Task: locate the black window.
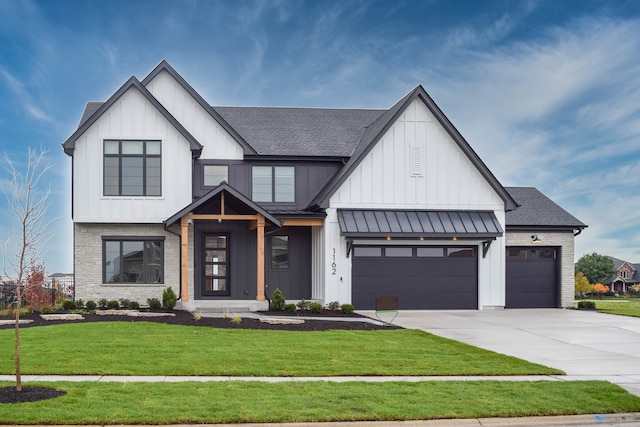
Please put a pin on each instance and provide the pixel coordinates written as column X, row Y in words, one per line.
column 133, row 260
column 367, row 251
column 273, row 184
column 132, row 168
column 215, row 174
column 279, row 252
column 216, row 263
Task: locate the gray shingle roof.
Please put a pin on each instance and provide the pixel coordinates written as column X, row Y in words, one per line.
column 90, row 108
column 314, row 132
column 537, row 210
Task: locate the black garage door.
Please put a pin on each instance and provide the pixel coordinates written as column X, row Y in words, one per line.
column 532, row 278
column 423, row 277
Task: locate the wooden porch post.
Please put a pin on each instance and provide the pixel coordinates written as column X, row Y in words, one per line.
column 184, row 265
column 260, row 256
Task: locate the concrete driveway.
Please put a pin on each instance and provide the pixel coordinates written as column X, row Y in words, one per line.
column 584, row 344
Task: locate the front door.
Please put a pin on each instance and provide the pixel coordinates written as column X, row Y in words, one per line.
column 216, row 280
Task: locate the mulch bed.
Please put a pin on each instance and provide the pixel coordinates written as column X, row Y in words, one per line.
column 28, row 394
column 186, row 318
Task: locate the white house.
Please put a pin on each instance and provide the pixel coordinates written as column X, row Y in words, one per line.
column 225, row 204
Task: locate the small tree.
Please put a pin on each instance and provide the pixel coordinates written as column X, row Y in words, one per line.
column 582, row 285
column 600, row 289
column 24, row 249
column 596, row 268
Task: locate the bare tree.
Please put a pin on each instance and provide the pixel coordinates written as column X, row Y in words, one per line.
column 25, row 247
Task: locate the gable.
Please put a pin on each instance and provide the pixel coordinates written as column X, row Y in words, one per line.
column 220, row 140
column 416, row 162
column 380, row 127
column 131, row 116
column 69, row 144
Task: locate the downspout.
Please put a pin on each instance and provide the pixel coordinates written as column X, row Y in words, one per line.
column 179, row 257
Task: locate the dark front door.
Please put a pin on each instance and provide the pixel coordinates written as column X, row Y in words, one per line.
column 288, row 262
column 216, row 280
column 532, row 278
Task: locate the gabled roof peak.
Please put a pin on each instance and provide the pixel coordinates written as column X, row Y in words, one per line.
column 132, row 83
column 165, row 66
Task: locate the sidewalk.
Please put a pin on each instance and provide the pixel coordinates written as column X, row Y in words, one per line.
column 619, row 380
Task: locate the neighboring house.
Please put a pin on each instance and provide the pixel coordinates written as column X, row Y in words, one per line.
column 626, row 276
column 226, row 204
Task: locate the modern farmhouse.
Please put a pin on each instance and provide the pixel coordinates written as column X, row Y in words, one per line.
column 226, row 204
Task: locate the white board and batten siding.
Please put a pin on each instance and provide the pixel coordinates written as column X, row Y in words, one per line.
column 130, row 117
column 217, row 142
column 415, row 165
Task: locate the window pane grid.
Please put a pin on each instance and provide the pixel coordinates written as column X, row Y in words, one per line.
column 133, row 261
column 132, row 168
column 273, row 184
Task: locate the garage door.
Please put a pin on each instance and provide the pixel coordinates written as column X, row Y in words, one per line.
column 532, row 278
column 423, row 277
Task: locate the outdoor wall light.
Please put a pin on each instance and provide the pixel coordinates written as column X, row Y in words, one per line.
column 535, row 239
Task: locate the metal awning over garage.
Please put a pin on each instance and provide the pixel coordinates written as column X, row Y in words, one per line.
column 481, row 225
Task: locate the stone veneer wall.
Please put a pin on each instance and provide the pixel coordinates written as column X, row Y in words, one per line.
column 564, row 240
column 88, row 262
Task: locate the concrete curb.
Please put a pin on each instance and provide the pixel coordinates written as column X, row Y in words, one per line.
column 628, row 419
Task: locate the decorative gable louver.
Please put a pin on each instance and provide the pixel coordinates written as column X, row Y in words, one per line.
column 415, row 153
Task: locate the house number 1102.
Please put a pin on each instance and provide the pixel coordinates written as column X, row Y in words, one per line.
column 333, row 264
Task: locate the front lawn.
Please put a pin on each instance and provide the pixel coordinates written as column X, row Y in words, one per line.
column 622, row 307
column 255, row 402
column 148, row 348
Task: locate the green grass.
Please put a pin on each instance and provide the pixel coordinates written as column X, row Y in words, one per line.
column 147, row 348
column 619, row 306
column 239, row 402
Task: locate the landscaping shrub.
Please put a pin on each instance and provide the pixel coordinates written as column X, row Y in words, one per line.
column 91, row 305
column 333, row 306
column 102, row 303
column 315, row 307
column 124, row 302
column 46, row 309
column 80, row 304
column 587, row 305
column 346, row 308
column 68, row 305
column 290, row 308
column 303, row 304
column 113, row 305
column 169, row 299
column 133, row 305
column 277, row 301
column 154, row 303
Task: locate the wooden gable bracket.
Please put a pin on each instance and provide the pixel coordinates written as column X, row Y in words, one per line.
column 485, row 247
column 349, row 246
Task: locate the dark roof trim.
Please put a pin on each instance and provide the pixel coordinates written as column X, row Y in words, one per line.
column 70, row 144
column 271, row 158
column 164, row 66
column 419, row 224
column 541, row 228
column 378, row 128
column 214, row 192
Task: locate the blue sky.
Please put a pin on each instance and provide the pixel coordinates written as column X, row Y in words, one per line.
column 546, row 92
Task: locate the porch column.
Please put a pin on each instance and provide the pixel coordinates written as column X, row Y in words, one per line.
column 260, row 256
column 184, row 255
